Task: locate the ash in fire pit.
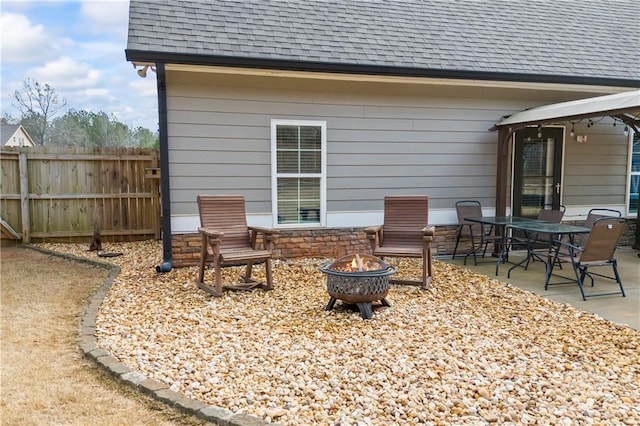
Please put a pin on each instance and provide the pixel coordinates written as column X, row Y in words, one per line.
column 358, row 279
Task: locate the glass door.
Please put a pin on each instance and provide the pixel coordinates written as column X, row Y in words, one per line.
column 537, row 168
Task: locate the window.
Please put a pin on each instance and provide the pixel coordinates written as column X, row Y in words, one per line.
column 634, row 179
column 298, row 178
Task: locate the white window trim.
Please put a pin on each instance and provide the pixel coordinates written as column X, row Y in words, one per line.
column 323, row 173
column 629, row 174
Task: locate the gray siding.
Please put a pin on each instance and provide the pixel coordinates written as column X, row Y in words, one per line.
column 596, row 171
column 382, row 139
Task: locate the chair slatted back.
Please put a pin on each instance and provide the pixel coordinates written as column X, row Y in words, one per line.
column 225, row 213
column 602, row 241
column 404, row 218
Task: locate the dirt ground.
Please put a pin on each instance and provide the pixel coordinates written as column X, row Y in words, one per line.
column 44, row 377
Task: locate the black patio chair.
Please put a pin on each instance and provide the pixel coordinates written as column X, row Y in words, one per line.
column 477, row 234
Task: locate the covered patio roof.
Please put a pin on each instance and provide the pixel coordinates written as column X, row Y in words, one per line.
column 624, row 107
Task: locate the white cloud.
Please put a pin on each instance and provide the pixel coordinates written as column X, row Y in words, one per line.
column 66, row 73
column 24, row 42
column 78, row 49
column 106, row 16
column 145, row 87
column 97, row 93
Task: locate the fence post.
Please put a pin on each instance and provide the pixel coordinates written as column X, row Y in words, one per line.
column 24, row 197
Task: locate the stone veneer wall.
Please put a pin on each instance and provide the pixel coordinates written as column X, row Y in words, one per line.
column 330, row 243
column 327, row 242
column 333, row 243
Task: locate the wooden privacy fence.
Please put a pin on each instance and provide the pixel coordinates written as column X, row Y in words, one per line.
column 65, row 194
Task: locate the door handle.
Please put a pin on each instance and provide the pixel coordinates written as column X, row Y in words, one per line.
column 557, row 185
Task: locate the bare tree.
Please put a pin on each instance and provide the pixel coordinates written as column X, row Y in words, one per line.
column 38, row 104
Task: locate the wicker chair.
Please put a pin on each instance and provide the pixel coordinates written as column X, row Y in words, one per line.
column 405, row 233
column 228, row 241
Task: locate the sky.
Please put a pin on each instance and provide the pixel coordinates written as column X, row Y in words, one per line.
column 77, row 47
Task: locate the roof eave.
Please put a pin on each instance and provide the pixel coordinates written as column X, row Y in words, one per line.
column 332, row 67
column 624, row 106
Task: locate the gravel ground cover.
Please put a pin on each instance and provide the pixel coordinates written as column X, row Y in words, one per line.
column 470, row 350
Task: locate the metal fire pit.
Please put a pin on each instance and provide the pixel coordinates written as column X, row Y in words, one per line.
column 358, row 279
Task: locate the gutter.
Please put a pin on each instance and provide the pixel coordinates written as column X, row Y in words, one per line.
column 371, row 69
column 166, row 264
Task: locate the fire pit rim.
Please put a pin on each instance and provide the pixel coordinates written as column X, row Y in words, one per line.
column 387, row 270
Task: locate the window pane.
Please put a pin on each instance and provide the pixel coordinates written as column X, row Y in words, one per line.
column 633, row 194
column 288, row 212
column 310, row 137
column 287, row 161
column 288, row 189
column 310, row 162
column 310, row 188
column 298, row 200
column 310, row 200
column 287, row 137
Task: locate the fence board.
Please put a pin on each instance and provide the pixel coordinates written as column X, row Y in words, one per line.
column 66, row 192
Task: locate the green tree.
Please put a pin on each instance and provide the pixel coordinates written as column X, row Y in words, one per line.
column 70, row 130
column 108, row 131
column 144, row 138
column 90, row 129
column 38, row 104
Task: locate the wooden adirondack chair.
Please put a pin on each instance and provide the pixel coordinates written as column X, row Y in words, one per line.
column 405, row 233
column 227, row 240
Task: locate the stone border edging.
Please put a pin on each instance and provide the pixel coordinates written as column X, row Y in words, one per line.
column 88, row 342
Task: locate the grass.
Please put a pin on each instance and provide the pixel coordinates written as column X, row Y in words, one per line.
column 44, row 376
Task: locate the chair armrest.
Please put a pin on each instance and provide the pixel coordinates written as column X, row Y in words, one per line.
column 374, row 235
column 268, row 236
column 210, row 232
column 266, row 231
column 568, row 244
column 428, row 230
column 427, row 234
column 572, row 249
column 372, row 230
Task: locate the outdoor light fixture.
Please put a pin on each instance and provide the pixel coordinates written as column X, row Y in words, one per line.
column 539, row 131
column 626, row 130
column 142, row 72
column 573, row 131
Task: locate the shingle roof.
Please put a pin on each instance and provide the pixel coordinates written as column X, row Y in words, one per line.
column 6, row 131
column 593, row 39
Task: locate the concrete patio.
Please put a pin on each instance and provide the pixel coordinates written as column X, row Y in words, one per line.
column 621, row 310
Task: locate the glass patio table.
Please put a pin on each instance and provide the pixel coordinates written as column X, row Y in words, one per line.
column 501, row 224
column 555, row 231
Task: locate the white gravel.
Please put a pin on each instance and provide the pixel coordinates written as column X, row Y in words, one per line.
column 470, row 350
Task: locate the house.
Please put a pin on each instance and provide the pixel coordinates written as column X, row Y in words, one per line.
column 14, row 135
column 314, row 110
